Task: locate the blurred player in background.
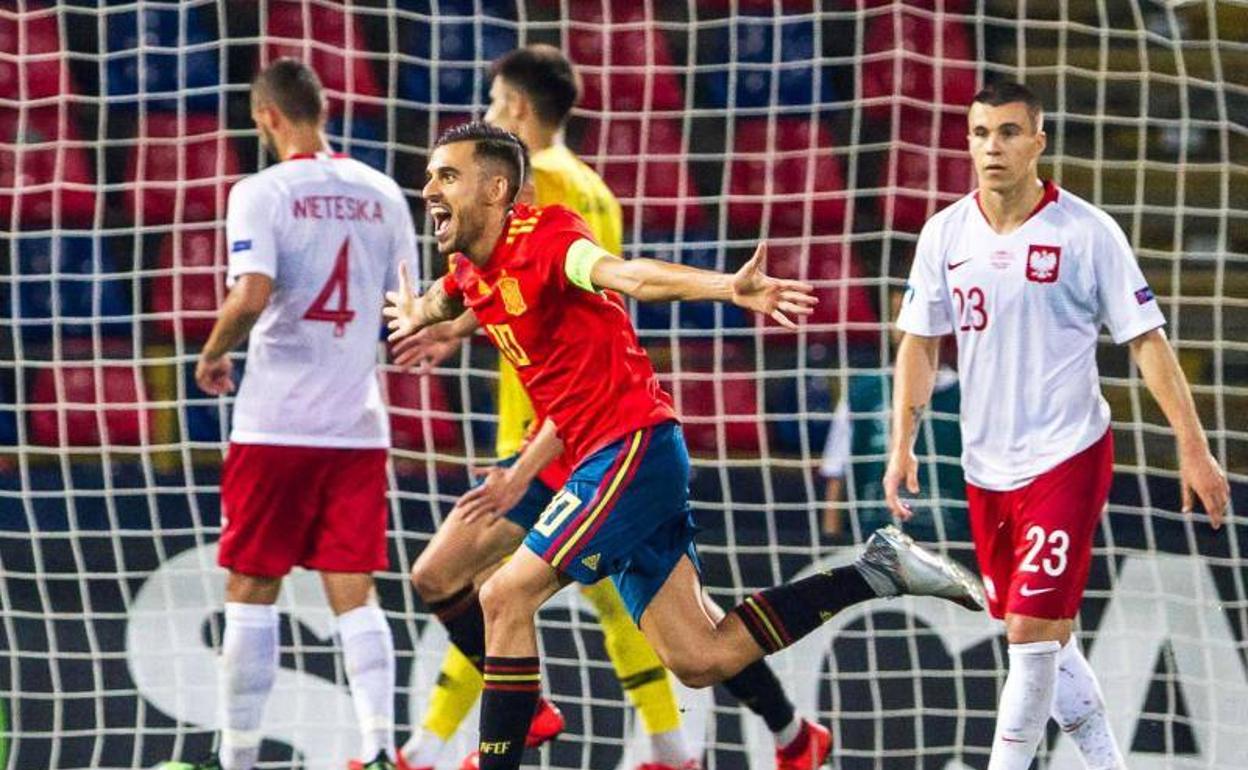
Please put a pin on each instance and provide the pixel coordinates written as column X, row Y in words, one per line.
column 313, row 241
column 856, row 451
column 532, row 94
column 546, row 295
column 1024, row 275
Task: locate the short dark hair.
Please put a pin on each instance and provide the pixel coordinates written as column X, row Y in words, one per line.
column 1009, row 91
column 493, row 145
column 545, row 76
column 292, row 87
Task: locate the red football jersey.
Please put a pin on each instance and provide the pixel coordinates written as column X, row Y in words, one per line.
column 575, row 351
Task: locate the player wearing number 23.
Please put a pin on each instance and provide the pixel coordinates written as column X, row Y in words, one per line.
column 1024, row 275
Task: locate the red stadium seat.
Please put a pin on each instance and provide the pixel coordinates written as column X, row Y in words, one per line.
column 923, row 176
column 914, row 37
column 100, row 405
column 698, row 397
column 41, row 71
column 623, row 59
column 42, row 165
column 947, row 6
column 619, row 147
column 773, row 176
column 756, row 7
column 180, row 172
column 844, row 302
column 410, row 408
column 190, row 286
column 333, row 43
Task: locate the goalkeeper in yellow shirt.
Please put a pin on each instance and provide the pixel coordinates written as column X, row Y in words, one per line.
column 532, row 94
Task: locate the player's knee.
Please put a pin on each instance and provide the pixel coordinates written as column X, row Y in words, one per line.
column 432, row 584
column 502, row 602
column 251, row 589
column 697, row 674
column 696, row 669
column 1023, row 629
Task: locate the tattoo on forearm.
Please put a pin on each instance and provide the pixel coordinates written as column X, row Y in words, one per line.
column 916, row 415
column 439, row 306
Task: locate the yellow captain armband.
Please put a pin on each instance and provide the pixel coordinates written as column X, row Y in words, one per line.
column 580, row 261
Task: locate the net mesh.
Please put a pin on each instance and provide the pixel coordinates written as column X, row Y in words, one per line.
column 831, row 129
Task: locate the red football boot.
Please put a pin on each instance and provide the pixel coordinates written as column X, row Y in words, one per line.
column 546, row 724
column 809, row 750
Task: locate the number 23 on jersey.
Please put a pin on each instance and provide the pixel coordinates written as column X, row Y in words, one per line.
column 972, row 309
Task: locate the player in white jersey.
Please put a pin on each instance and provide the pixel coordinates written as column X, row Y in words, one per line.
column 1024, row 275
column 314, row 242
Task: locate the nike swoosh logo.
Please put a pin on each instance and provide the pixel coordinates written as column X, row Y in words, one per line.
column 956, row 265
column 1026, row 591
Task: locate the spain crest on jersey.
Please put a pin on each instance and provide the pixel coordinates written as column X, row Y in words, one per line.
column 1043, row 263
column 513, row 300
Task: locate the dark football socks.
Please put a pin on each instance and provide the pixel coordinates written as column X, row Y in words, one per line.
column 757, row 688
column 778, row 617
column 465, row 623
column 512, row 686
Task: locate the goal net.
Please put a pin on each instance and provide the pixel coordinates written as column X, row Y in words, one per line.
column 830, row 128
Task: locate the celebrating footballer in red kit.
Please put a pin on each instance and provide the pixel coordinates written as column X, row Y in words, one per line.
column 543, row 291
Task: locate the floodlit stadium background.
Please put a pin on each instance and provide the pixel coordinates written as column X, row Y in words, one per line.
column 832, row 129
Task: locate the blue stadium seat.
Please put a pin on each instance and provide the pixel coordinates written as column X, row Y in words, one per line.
column 8, row 414
column 366, row 142
column 81, row 291
column 456, row 26
column 697, row 250
column 755, row 65
column 178, row 60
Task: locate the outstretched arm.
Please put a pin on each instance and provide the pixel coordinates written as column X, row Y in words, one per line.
column 1198, row 470
column 913, row 379
column 652, row 280
column 409, row 312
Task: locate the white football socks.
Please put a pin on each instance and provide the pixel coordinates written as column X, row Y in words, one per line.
column 785, row 736
column 1079, row 709
column 248, row 669
column 423, row 749
column 669, row 748
column 368, row 650
column 1023, row 709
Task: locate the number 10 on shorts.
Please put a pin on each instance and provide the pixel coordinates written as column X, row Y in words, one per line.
column 560, row 507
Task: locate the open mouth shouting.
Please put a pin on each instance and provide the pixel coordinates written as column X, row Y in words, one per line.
column 440, row 213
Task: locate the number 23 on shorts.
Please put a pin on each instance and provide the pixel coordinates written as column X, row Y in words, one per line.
column 1056, row 561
